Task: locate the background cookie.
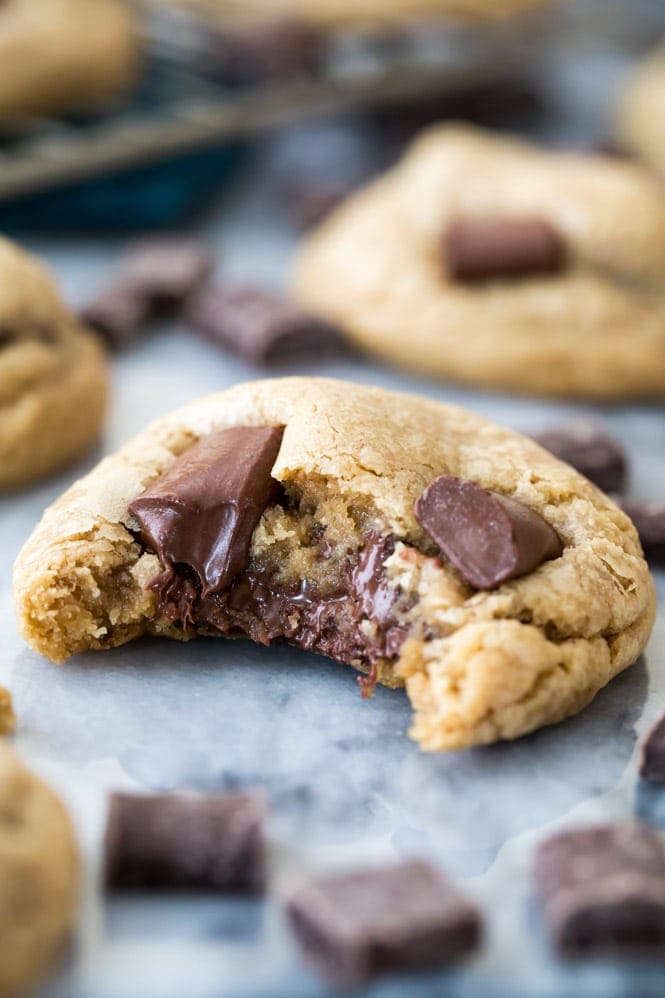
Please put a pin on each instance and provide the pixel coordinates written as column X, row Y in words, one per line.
column 53, row 375
column 478, row 665
column 39, row 874
column 589, row 320
column 64, row 55
column 641, row 112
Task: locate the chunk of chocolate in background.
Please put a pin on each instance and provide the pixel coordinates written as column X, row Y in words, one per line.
column 652, row 764
column 118, row 314
column 186, row 842
column 404, row 917
column 263, row 327
column 649, row 521
column 203, row 510
column 270, row 49
column 480, row 249
column 602, row 890
column 590, row 450
column 156, row 276
column 310, row 199
column 488, row 537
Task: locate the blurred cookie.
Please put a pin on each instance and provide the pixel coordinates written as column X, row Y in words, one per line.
column 640, row 117
column 53, row 375
column 39, row 875
column 498, row 263
column 64, row 55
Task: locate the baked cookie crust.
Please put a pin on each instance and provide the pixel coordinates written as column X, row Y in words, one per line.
column 594, row 329
column 64, row 55
column 39, row 876
column 478, row 666
column 53, row 375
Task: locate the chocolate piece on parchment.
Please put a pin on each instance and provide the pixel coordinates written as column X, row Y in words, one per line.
column 404, row 917
column 203, row 510
column 489, row 538
column 602, row 890
column 481, row 249
column 263, row 327
column 649, row 521
column 186, row 842
column 652, row 763
column 590, row 450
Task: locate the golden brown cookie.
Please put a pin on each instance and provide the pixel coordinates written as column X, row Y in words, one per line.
column 495, row 262
column 64, row 55
column 53, row 375
column 304, row 510
column 641, row 112
column 7, row 716
column 39, row 876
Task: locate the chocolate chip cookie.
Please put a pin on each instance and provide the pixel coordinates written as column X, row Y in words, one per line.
column 39, row 876
column 53, row 375
column 641, row 111
column 410, row 539
column 64, row 55
column 494, row 262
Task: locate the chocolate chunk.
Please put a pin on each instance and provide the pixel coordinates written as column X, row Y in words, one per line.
column 397, row 918
column 167, row 271
column 479, row 249
column 489, row 538
column 156, row 277
column 118, row 314
column 652, row 766
column 591, row 451
column 173, row 841
column 602, row 890
column 272, row 49
column 649, row 521
column 202, row 512
column 263, row 327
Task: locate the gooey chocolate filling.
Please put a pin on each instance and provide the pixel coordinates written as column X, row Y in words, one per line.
column 199, row 518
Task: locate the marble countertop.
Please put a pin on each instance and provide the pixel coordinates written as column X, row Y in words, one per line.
column 346, row 784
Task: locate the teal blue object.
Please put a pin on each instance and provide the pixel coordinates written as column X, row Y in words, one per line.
column 160, row 195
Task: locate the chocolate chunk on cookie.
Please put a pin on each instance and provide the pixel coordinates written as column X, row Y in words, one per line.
column 203, row 511
column 187, row 842
column 649, row 520
column 405, row 917
column 652, row 764
column 488, row 537
column 482, row 249
column 602, row 891
column 263, row 327
column 336, row 561
column 591, row 451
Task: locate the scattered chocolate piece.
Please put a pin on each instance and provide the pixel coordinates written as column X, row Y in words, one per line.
column 202, row 512
column 479, row 249
column 590, row 450
column 602, row 890
column 263, row 51
column 649, row 521
column 118, row 314
column 489, row 538
column 175, row 841
column 397, row 918
column 157, row 276
column 652, row 766
column 263, row 327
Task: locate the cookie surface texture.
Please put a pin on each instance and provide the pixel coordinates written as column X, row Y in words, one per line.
column 339, row 563
column 53, row 375
column 39, row 876
column 591, row 325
